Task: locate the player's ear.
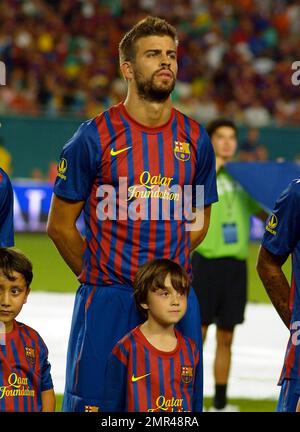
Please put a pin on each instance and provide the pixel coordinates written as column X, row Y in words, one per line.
column 26, row 295
column 144, row 306
column 126, row 69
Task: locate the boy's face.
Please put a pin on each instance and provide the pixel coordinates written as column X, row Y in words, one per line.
column 166, row 306
column 13, row 295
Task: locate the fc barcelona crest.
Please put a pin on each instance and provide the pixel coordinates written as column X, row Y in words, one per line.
column 30, row 355
column 182, row 151
column 187, row 373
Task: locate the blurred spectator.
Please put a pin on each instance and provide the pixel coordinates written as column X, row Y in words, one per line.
column 251, row 149
column 235, row 57
column 5, row 158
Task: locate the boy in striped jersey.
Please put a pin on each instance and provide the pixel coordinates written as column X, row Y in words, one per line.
column 25, row 380
column 154, row 367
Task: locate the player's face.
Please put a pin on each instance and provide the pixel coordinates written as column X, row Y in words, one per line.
column 155, row 67
column 166, row 306
column 224, row 142
column 13, row 295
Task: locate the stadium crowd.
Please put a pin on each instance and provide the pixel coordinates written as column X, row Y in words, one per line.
column 235, row 58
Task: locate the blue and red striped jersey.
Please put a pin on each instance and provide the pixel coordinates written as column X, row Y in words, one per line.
column 131, row 178
column 282, row 237
column 141, row 378
column 6, row 211
column 24, row 370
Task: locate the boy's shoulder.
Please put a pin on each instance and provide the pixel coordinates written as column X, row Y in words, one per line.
column 187, row 341
column 125, row 345
column 29, row 332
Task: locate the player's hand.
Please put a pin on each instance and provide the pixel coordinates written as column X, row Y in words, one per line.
column 298, row 406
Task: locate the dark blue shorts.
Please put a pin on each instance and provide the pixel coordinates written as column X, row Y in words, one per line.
column 289, row 395
column 101, row 317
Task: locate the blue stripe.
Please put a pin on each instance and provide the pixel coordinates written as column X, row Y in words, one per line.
column 25, row 399
column 99, row 224
column 30, row 373
column 189, row 387
column 174, row 244
column 127, row 247
column 123, row 350
column 17, row 370
column 114, row 176
column 134, row 366
column 144, row 231
column 182, row 385
column 160, row 228
column 172, row 377
column 147, row 364
column 161, row 376
column 187, row 167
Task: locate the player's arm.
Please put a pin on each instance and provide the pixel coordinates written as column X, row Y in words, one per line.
column 199, row 226
column 269, row 268
column 62, row 230
column 298, row 406
column 48, row 401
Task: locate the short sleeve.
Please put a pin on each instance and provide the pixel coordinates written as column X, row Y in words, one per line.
column 79, row 163
column 45, row 368
column 114, row 395
column 283, row 228
column 6, row 211
column 205, row 172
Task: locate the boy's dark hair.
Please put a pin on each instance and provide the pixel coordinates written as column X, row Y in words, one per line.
column 151, row 277
column 216, row 124
column 14, row 260
column 150, row 26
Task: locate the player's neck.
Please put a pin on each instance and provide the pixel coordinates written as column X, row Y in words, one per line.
column 150, row 114
column 162, row 338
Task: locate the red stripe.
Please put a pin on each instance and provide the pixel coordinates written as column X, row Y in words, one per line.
column 122, row 171
column 106, row 178
column 119, row 354
column 153, row 152
column 140, row 371
column 130, row 398
column 89, row 299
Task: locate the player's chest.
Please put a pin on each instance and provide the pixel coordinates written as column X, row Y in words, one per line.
column 19, row 366
column 148, row 160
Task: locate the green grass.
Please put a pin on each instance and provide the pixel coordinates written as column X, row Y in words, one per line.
column 245, row 405
column 52, row 274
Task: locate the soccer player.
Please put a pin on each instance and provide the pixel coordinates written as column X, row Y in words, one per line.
column 25, row 380
column 154, row 367
column 282, row 238
column 6, row 211
column 124, row 168
column 219, row 262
